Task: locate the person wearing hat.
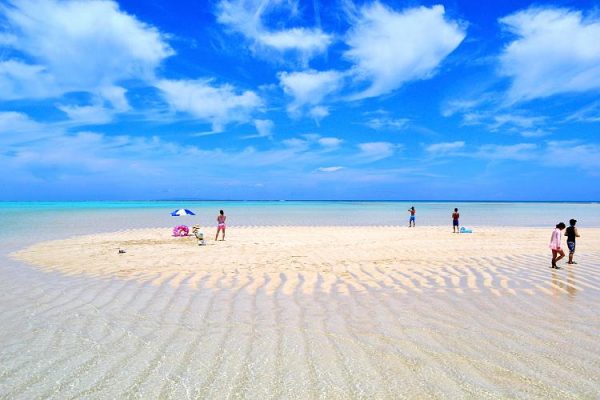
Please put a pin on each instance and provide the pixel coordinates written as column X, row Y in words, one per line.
column 571, row 233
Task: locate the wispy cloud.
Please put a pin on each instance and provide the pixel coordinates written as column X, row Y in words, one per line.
column 248, row 18
column 329, row 169
column 385, row 122
column 519, row 151
column 60, row 47
column 217, row 105
column 444, row 147
column 589, row 113
column 556, row 50
column 583, row 155
column 508, row 121
column 309, row 88
column 385, row 60
column 264, row 129
column 330, row 142
column 374, row 151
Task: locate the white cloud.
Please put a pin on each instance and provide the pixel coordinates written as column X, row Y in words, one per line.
column 330, row 142
column 584, row 155
column 519, row 151
column 7, row 39
column 116, row 97
column 296, row 143
column 94, row 114
column 373, row 151
column 309, row 88
column 19, row 129
column 444, row 147
column 246, row 17
column 556, row 51
column 19, row 80
column 311, row 140
column 318, row 112
column 534, row 133
column 76, row 46
column 390, row 48
column 109, row 101
column 589, row 113
column 452, row 107
column 218, row 105
column 329, row 169
column 307, row 41
column 519, row 121
column 264, row 129
column 387, row 123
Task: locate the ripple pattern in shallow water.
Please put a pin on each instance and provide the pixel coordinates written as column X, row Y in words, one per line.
column 489, row 327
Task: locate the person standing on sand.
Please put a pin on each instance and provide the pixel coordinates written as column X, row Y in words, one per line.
column 221, row 224
column 571, row 233
column 555, row 245
column 455, row 217
column 411, row 220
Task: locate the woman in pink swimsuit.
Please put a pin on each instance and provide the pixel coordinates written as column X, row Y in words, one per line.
column 555, row 246
column 221, row 224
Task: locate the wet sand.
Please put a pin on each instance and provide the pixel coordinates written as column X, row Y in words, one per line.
column 310, row 312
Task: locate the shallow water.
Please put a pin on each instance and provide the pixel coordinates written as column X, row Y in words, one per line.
column 285, row 335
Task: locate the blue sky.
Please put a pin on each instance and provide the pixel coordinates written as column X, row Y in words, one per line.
column 285, row 99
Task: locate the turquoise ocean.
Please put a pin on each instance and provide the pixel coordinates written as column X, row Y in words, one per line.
column 27, row 222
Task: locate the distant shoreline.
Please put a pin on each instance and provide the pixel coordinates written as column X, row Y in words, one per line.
column 311, row 201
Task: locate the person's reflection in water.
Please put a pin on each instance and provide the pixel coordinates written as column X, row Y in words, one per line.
column 559, row 286
column 571, row 288
column 556, row 285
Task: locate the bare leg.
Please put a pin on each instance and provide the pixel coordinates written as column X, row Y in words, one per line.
column 555, row 259
column 562, row 255
column 570, row 258
column 223, row 234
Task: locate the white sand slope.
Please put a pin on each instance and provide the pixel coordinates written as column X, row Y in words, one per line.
column 315, row 312
column 500, row 260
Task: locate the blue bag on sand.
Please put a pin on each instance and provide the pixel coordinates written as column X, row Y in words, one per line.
column 465, row 230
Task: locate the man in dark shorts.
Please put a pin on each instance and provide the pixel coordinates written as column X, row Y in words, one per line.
column 455, row 217
column 571, row 233
column 412, row 218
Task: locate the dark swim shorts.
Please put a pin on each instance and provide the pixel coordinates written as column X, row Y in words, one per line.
column 571, row 246
column 454, row 222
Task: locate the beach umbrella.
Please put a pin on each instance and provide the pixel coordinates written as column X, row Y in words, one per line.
column 181, row 211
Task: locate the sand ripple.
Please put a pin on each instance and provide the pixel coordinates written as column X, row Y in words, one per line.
column 305, row 313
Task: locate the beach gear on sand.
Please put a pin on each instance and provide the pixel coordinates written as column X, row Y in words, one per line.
column 199, row 235
column 181, row 211
column 181, row 230
column 466, row 230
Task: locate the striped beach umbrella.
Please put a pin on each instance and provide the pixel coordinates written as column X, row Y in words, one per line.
column 181, row 211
